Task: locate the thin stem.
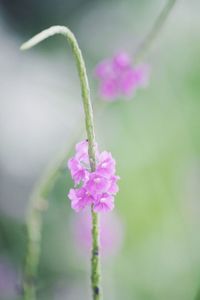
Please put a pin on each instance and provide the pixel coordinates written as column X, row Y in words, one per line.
column 157, row 26
column 95, row 261
column 89, row 124
column 34, row 224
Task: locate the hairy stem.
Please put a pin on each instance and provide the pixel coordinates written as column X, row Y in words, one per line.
column 95, row 262
column 89, row 124
column 157, row 26
column 34, row 224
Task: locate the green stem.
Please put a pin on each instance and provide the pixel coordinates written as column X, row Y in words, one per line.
column 157, row 26
column 89, row 124
column 34, row 224
column 95, row 262
column 38, row 204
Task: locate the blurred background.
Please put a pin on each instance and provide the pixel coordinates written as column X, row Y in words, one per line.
column 152, row 244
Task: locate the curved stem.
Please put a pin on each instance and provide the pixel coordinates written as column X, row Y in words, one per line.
column 89, row 124
column 157, row 26
column 82, row 76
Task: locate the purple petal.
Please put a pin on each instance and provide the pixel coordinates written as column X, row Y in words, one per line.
column 97, row 184
column 121, row 61
column 109, row 89
column 105, row 203
column 106, row 165
column 128, row 82
column 113, row 188
column 104, row 69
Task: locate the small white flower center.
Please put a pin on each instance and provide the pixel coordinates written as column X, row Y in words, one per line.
column 104, row 165
column 103, row 199
column 97, row 180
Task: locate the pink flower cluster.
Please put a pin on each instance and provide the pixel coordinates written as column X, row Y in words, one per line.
column 119, row 78
column 92, row 188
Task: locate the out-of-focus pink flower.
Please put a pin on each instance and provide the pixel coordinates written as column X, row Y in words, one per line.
column 8, row 280
column 111, row 233
column 119, row 78
column 97, row 188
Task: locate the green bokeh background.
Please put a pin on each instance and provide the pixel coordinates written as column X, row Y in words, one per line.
column 155, row 138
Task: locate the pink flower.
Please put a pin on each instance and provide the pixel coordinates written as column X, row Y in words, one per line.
column 97, row 188
column 109, row 89
column 119, row 78
column 121, row 62
column 113, row 188
column 82, row 151
column 80, row 198
column 97, row 184
column 106, row 166
column 104, row 202
column 78, row 173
